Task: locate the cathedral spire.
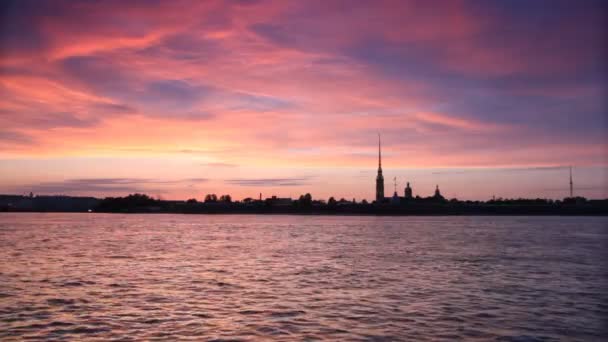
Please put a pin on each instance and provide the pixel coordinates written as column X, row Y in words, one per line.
column 379, row 154
column 379, row 177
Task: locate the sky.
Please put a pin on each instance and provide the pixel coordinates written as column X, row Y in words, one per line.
column 178, row 99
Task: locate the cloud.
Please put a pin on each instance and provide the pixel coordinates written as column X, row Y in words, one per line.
column 599, row 188
column 100, row 74
column 455, row 122
column 13, row 137
column 274, row 33
column 296, row 181
column 100, row 186
column 194, row 180
column 46, row 120
column 172, row 94
column 162, row 150
column 503, row 170
column 113, row 108
column 82, row 186
column 65, row 119
column 122, row 181
column 219, row 165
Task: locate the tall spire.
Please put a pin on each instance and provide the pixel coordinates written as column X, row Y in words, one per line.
column 379, row 177
column 571, row 185
column 379, row 154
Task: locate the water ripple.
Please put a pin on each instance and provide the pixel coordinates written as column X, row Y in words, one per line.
column 242, row 278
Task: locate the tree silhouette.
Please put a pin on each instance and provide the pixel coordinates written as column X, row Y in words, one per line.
column 305, row 200
column 226, row 199
column 129, row 202
column 210, row 198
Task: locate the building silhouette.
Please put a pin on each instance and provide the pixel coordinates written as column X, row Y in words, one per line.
column 408, row 192
column 279, row 202
column 395, row 199
column 379, row 177
column 437, row 194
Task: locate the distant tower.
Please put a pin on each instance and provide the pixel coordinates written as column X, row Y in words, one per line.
column 395, row 199
column 379, row 177
column 571, row 185
column 437, row 192
column 408, row 191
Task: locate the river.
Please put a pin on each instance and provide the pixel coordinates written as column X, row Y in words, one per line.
column 239, row 277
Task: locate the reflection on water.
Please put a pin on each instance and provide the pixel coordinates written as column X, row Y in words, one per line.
column 93, row 276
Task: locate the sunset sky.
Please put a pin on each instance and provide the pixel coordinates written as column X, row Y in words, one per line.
column 182, row 98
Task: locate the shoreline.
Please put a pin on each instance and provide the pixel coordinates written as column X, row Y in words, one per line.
column 345, row 214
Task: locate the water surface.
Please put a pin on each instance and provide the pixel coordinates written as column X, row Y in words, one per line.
column 238, row 277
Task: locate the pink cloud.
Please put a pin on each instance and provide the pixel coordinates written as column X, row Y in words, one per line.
column 309, row 84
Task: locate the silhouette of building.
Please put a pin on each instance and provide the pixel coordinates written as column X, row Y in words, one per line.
column 395, row 199
column 48, row 203
column 279, row 202
column 379, row 177
column 437, row 194
column 408, row 192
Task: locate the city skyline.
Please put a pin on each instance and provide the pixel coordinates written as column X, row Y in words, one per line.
column 186, row 98
column 380, row 195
